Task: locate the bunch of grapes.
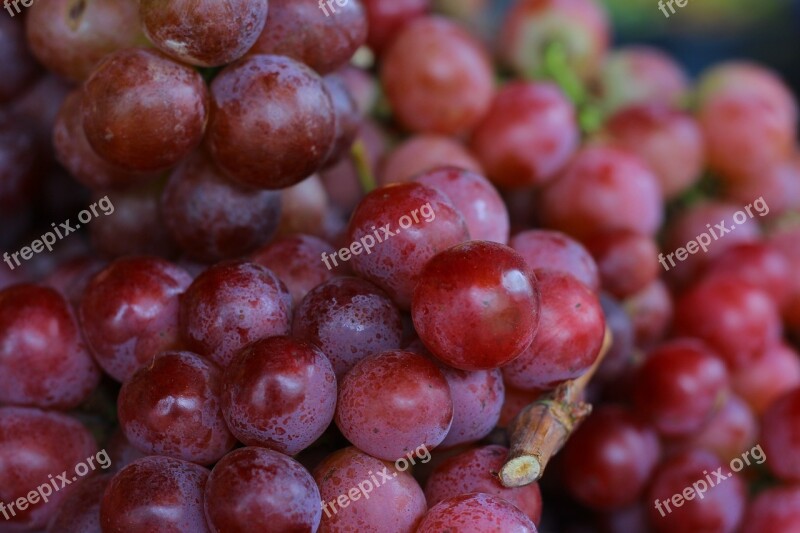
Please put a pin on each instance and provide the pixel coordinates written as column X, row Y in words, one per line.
column 379, row 266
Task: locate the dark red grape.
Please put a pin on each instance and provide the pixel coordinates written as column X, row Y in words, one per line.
column 609, row 460
column 679, row 386
column 129, row 312
column 173, row 407
column 347, row 114
column 80, row 513
column 244, row 132
column 778, row 184
column 395, row 256
column 254, row 489
column 476, row 306
column 388, row 17
column 424, row 153
column 604, row 189
column 780, row 436
column 515, row 400
column 19, row 67
column 730, row 430
column 627, row 261
column 775, row 509
column 43, row 359
column 35, row 447
column 70, row 38
column 651, row 311
column 359, row 494
column 393, row 402
column 212, row 218
column 349, row 319
column 787, row 241
column 551, row 250
column 156, row 494
column 71, row 277
column 279, row 393
column 475, row 512
column 18, row 154
column 142, row 111
column 477, row 400
column 474, row 196
column 425, row 72
column 569, row 337
column 619, row 357
column 207, row 33
column 230, row 305
column 775, row 372
column 527, row 136
column 473, row 471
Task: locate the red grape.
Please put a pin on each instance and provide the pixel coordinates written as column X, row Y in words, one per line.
column 230, row 305
column 424, row 153
column 477, row 400
column 473, row 471
column 781, row 437
column 528, row 135
column 425, row 71
column 387, row 17
column 348, row 319
column 476, row 306
column 142, row 111
column 279, row 393
column 730, row 430
column 172, row 407
column 551, row 250
column 248, row 97
column 19, row 67
column 473, row 513
column 774, row 509
column 651, row 311
column 213, row 219
column 80, row 513
column 775, row 372
column 569, row 337
column 254, row 489
column 627, row 261
column 207, row 33
column 129, row 312
column 156, row 494
column 347, row 115
column 393, row 402
column 43, row 359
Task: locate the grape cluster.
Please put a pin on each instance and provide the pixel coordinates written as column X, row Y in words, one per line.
column 348, row 233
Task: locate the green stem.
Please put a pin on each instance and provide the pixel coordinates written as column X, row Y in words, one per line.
column 358, row 154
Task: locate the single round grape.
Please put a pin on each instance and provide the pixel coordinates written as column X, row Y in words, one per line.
column 619, row 357
column 349, row 319
column 425, row 72
column 656, row 132
column 304, row 209
column 581, row 27
column 774, row 509
column 730, row 430
column 347, row 115
column 568, row 339
column 76, row 154
column 474, row 196
column 641, row 75
column 787, row 241
column 19, row 67
column 361, row 493
column 255, row 489
column 477, row 400
column 473, row 513
column 70, row 38
column 207, row 33
column 778, row 184
column 230, row 305
column 298, row 29
column 212, row 218
column 476, row 306
column 736, row 319
column 551, row 250
column 142, row 111
column 604, row 189
column 279, row 393
column 156, row 494
column 248, row 97
column 424, row 153
column 80, row 513
column 295, row 259
column 393, row 402
column 43, row 359
column 173, row 407
column 610, row 458
column 775, row 372
column 472, row 471
column 129, row 312
column 780, row 438
column 137, row 227
column 651, row 311
column 627, row 261
column 721, row 507
column 679, row 386
column 528, row 135
column 386, row 18
column 406, row 225
column 35, row 447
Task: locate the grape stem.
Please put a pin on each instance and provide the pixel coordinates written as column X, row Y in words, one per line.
column 358, row 154
column 540, row 430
